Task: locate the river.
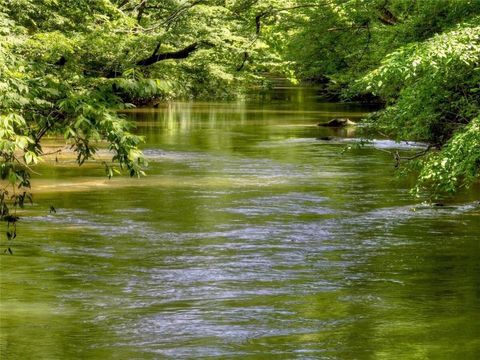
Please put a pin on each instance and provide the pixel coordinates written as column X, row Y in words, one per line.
column 250, row 238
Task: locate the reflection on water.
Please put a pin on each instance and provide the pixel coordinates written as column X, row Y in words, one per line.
column 249, row 239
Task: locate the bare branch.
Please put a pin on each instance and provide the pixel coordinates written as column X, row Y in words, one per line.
column 399, row 158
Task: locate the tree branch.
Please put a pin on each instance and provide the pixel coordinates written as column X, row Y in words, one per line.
column 246, row 56
column 180, row 10
column 399, row 158
column 386, row 17
column 141, row 10
column 123, row 3
column 179, row 54
column 272, row 11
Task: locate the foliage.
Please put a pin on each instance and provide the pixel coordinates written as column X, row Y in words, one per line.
column 432, row 89
column 343, row 39
column 67, row 67
column 457, row 165
column 421, row 58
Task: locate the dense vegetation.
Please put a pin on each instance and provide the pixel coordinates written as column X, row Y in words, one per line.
column 421, row 58
column 67, row 67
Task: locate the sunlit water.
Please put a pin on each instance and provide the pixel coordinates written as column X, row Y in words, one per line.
column 250, row 238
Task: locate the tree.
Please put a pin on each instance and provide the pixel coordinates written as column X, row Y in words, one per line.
column 67, row 67
column 421, row 59
column 432, row 89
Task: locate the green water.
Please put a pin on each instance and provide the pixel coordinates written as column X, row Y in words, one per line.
column 250, row 238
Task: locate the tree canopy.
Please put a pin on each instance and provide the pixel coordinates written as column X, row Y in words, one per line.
column 67, row 67
column 420, row 58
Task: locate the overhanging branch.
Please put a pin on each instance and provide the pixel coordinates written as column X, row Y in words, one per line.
column 179, row 54
column 399, row 158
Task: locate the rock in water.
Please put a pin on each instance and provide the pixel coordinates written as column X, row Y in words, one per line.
column 338, row 122
column 326, row 138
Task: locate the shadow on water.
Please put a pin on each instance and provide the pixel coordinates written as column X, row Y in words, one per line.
column 249, row 239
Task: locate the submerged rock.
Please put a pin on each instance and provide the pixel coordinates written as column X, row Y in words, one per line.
column 338, row 122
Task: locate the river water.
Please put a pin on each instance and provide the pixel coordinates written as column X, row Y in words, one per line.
column 250, row 238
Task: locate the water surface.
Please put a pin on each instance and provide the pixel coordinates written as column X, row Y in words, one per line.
column 250, row 238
